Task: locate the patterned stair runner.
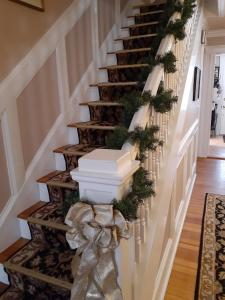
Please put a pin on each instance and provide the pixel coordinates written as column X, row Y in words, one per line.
column 41, row 267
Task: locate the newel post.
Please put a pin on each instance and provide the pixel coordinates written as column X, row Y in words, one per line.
column 104, row 175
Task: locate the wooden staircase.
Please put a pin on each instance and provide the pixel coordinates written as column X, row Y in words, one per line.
column 40, row 268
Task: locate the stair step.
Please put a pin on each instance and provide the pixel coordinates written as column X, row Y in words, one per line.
column 93, row 125
column 60, row 179
column 51, row 224
column 124, row 66
column 12, row 249
column 37, row 275
column 124, row 51
column 100, row 103
column 112, row 84
column 27, row 212
column 79, row 149
column 147, row 13
column 141, row 25
column 136, row 37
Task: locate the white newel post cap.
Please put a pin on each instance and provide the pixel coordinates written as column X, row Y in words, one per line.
column 104, row 175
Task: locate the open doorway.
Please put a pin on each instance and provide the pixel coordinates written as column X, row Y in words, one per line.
column 217, row 128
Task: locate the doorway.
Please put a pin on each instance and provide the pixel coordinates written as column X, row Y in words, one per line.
column 217, row 128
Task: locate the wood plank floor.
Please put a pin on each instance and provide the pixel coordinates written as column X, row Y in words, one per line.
column 210, row 179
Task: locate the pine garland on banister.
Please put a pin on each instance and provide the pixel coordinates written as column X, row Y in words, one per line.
column 142, row 186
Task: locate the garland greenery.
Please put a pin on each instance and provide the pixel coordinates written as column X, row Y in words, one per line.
column 163, row 101
column 142, row 188
column 168, row 61
column 146, row 139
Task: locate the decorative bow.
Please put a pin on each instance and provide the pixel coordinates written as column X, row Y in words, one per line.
column 95, row 231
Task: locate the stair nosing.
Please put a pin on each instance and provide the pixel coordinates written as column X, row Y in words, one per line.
column 141, row 25
column 133, row 37
column 66, row 185
column 129, row 50
column 24, row 214
column 114, row 83
column 51, row 224
column 8, row 252
column 42, row 277
column 78, row 125
column 147, row 13
column 100, row 103
column 124, row 66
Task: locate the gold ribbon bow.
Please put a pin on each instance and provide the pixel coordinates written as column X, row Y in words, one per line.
column 95, row 231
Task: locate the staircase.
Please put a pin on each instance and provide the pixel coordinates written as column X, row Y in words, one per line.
column 40, row 268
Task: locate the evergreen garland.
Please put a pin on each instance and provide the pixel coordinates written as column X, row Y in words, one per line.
column 70, row 200
column 168, row 61
column 177, row 29
column 142, row 188
column 117, row 138
column 163, row 101
column 131, row 103
column 145, row 139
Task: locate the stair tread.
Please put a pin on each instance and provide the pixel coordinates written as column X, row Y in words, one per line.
column 100, row 103
column 141, row 25
column 27, row 212
column 59, row 178
column 147, row 13
column 127, row 83
column 47, row 223
column 37, row 275
column 124, row 66
column 93, row 125
column 12, row 249
column 49, row 176
column 79, row 149
column 129, row 51
column 49, row 214
column 135, row 37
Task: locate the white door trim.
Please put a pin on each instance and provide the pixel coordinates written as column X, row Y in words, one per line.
column 207, row 94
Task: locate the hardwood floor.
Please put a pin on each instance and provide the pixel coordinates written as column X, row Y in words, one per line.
column 210, row 179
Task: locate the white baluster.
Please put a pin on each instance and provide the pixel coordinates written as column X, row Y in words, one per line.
column 147, row 211
column 137, row 240
column 142, row 222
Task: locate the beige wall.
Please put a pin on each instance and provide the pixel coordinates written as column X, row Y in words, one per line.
column 79, row 49
column 21, row 27
column 38, row 108
column 4, row 178
column 106, row 18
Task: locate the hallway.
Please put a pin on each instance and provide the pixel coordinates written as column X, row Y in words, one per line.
column 210, row 179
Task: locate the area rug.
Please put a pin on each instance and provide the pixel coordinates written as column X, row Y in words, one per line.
column 210, row 282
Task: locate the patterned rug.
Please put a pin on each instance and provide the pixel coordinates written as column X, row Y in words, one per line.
column 210, row 283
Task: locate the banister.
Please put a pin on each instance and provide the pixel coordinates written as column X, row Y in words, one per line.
column 141, row 117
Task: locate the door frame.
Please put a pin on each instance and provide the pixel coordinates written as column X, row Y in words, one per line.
column 206, row 98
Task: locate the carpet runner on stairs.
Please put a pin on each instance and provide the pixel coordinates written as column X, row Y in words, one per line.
column 41, row 268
